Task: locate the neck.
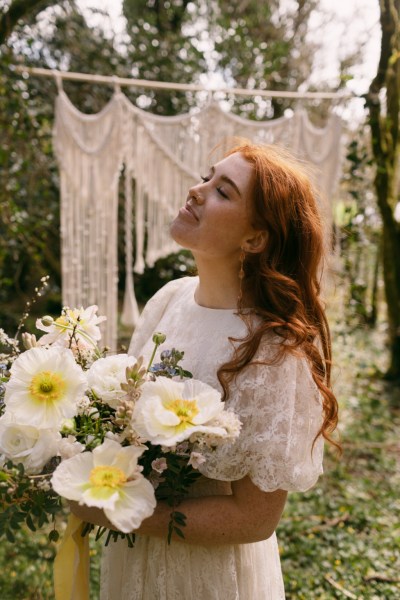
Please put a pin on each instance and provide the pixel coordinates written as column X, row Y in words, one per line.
column 219, row 284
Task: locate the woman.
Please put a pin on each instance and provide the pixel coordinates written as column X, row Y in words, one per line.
column 252, row 325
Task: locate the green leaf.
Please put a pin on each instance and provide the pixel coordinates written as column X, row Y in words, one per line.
column 30, row 523
column 10, row 536
column 179, row 532
column 54, row 535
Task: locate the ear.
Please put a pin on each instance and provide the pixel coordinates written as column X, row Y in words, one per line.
column 256, row 243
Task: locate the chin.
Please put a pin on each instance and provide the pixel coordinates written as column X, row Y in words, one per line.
column 179, row 234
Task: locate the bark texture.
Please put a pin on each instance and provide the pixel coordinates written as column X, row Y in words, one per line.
column 383, row 102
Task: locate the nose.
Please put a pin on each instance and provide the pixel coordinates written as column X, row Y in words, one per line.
column 195, row 195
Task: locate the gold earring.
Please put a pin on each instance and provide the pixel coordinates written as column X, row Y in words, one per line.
column 241, row 275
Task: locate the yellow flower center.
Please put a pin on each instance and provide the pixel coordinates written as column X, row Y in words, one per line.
column 186, row 410
column 105, row 476
column 62, row 322
column 47, row 386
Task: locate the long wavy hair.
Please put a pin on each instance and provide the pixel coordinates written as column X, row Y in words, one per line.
column 284, row 278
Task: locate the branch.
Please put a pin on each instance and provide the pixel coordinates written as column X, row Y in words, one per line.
column 340, row 588
column 381, row 577
column 388, row 29
column 327, row 524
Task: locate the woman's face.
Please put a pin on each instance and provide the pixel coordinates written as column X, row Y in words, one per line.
column 216, row 217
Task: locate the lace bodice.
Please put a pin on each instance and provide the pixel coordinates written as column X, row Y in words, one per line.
column 279, row 404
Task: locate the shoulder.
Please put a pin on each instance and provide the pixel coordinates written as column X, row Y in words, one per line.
column 176, row 286
column 156, row 308
column 277, row 368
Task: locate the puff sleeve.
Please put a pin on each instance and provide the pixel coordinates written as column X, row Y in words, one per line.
column 281, row 412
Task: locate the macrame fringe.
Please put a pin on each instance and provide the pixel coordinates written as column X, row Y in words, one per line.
column 162, row 158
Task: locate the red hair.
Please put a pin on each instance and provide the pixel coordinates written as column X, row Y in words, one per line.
column 284, row 278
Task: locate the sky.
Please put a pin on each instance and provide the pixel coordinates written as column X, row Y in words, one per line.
column 341, row 25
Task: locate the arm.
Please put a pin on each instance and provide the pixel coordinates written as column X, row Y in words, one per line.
column 248, row 515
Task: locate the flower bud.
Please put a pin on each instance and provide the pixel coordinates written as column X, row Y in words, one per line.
column 47, row 320
column 93, row 412
column 159, row 338
column 29, row 340
column 68, row 426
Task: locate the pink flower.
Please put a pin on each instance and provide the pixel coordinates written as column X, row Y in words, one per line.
column 159, row 465
column 196, row 459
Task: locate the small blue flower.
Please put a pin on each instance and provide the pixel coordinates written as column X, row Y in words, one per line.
column 165, row 354
column 157, row 367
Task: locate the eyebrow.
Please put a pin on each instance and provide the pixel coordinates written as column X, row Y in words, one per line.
column 228, row 180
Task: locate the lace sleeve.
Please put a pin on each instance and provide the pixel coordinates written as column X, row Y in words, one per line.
column 281, row 412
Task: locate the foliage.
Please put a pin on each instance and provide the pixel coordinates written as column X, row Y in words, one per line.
column 163, row 46
column 357, row 230
column 24, row 500
column 16, row 10
column 27, row 567
column 248, row 44
column 28, row 197
column 346, row 529
column 274, row 55
column 173, row 266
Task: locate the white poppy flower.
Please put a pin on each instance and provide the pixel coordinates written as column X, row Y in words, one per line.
column 83, row 321
column 106, row 375
column 44, row 387
column 169, row 411
column 108, row 478
column 27, row 445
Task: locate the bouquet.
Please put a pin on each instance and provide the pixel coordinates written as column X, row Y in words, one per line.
column 103, row 430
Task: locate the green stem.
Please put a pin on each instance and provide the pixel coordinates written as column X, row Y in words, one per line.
column 152, row 356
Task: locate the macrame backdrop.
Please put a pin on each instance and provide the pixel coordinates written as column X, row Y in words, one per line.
column 161, row 157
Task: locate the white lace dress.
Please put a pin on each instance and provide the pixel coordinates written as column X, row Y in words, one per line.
column 280, row 410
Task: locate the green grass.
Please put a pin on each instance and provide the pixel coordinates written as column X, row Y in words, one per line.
column 342, row 539
column 344, row 533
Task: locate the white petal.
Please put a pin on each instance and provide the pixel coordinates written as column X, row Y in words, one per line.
column 71, row 476
column 136, row 503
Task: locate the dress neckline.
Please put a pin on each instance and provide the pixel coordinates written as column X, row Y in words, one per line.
column 228, row 311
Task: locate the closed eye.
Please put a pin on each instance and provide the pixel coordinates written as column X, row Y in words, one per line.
column 221, row 191
column 207, row 178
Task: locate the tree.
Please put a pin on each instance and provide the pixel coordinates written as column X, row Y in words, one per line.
column 383, row 102
column 259, row 45
column 20, row 10
column 29, row 194
column 164, row 46
column 247, row 43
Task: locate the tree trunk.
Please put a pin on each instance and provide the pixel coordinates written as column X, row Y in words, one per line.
column 373, row 315
column 383, row 102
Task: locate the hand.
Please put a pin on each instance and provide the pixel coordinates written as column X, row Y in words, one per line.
column 90, row 514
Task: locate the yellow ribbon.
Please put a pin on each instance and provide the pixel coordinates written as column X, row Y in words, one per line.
column 72, row 563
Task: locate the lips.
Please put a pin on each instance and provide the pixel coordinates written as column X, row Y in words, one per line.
column 190, row 209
